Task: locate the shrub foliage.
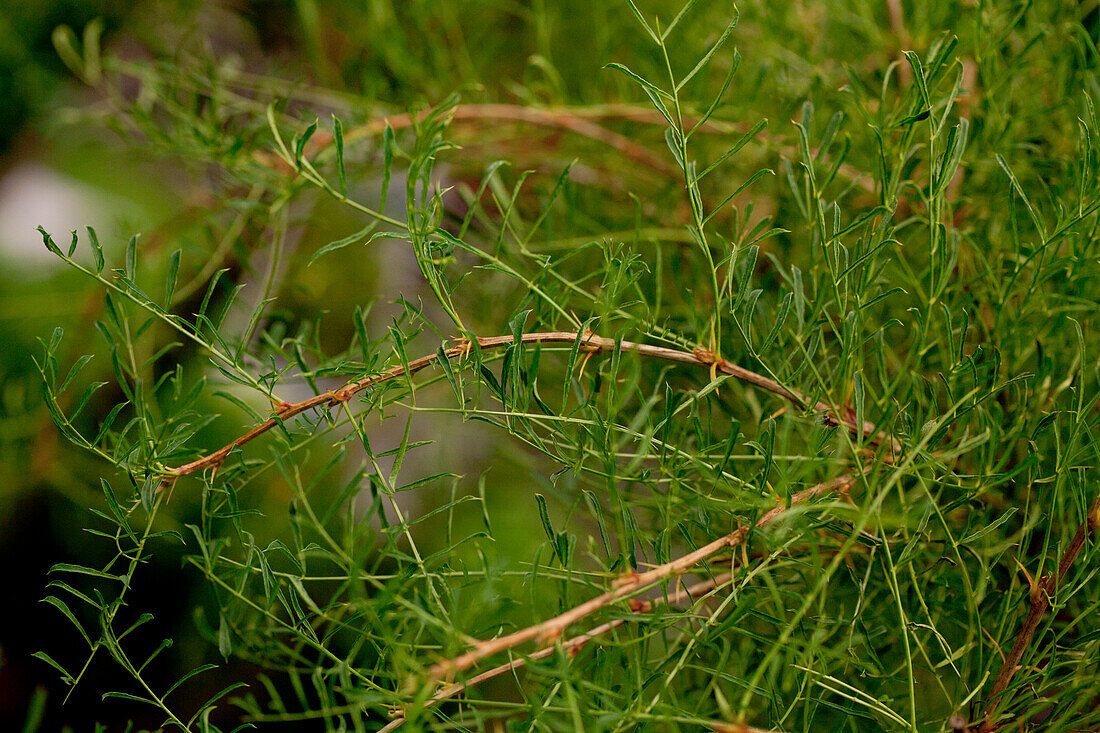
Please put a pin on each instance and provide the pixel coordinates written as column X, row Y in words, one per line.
column 562, row 414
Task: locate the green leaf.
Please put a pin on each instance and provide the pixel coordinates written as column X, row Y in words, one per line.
column 92, row 65
column 171, row 276
column 164, row 644
column 84, row 397
column 921, row 115
column 448, row 371
column 1039, row 227
column 65, row 676
column 131, row 259
column 55, row 339
column 209, row 294
column 638, row 15
column 918, row 76
column 781, row 318
column 338, row 137
column 50, row 245
column 597, row 512
column 64, row 42
column 207, row 706
column 60, row 605
column 108, row 421
column 672, row 140
column 688, row 6
column 389, row 147
column 130, row 697
column 139, row 622
column 149, row 492
column 751, row 180
column 741, row 142
column 988, row 528
column 97, row 250
column 64, row 567
column 359, row 236
column 955, row 148
column 799, row 297
column 73, row 371
column 400, row 452
column 858, row 399
column 544, row 516
column 643, row 82
column 300, row 143
column 225, row 643
column 709, row 54
column 734, row 66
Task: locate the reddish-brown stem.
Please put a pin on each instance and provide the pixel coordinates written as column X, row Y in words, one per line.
column 738, row 728
column 573, row 119
column 1040, row 594
column 560, row 118
column 589, row 343
column 572, row 646
column 553, row 628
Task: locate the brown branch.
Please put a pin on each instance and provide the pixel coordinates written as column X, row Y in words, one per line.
column 897, row 25
column 561, row 118
column 1040, row 594
column 572, row 645
column 738, row 728
column 590, row 343
column 554, row 627
column 578, row 120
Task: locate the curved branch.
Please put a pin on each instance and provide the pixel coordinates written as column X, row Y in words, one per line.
column 588, row 342
column 572, row 645
column 554, row 627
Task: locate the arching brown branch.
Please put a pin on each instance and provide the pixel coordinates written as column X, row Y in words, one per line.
column 560, row 118
column 579, row 120
column 553, row 628
column 588, row 342
column 572, row 646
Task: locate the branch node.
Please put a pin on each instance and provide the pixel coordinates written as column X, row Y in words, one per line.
column 705, row 356
column 549, row 635
column 625, row 580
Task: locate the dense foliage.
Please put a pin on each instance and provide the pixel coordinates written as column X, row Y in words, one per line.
column 581, row 368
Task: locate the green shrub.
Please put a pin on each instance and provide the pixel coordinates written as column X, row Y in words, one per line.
column 786, row 425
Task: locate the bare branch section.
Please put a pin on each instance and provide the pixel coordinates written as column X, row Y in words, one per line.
column 578, row 120
column 572, row 646
column 588, row 342
column 553, row 628
column 738, row 728
column 1041, row 592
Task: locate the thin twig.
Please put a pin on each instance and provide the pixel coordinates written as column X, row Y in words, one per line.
column 590, row 343
column 554, row 627
column 1040, row 594
column 738, row 728
column 572, row 645
column 574, row 119
column 561, row 118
